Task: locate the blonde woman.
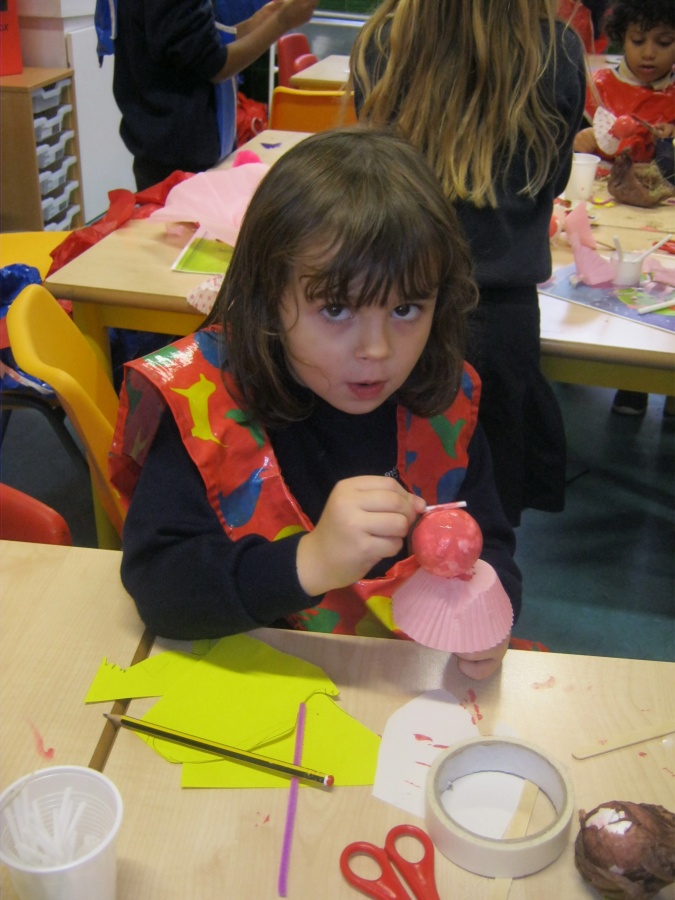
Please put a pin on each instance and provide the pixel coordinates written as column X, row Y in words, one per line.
column 492, row 92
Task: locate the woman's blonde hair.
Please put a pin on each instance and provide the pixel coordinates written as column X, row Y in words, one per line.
column 463, row 81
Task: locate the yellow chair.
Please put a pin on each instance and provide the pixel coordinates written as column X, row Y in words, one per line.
column 294, row 110
column 48, row 345
column 30, row 247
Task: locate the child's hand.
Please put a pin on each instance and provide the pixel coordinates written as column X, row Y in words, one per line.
column 584, row 141
column 365, row 519
column 665, row 130
column 482, row 665
column 296, row 12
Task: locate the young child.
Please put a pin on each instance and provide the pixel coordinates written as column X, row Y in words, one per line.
column 642, row 85
column 275, row 462
column 492, row 94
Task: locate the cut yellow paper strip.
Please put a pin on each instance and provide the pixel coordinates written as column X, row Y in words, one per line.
column 335, row 743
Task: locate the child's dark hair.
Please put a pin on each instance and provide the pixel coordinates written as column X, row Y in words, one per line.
column 646, row 14
column 367, row 205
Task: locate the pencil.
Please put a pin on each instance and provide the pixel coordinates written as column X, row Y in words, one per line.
column 217, row 749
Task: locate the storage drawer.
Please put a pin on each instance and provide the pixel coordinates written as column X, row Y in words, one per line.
column 48, row 126
column 66, row 222
column 49, row 97
column 48, row 154
column 55, row 206
column 52, row 180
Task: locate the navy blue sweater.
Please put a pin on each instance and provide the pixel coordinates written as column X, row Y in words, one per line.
column 166, row 53
column 190, row 581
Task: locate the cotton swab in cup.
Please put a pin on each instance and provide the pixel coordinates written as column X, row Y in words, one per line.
column 617, row 244
column 652, row 249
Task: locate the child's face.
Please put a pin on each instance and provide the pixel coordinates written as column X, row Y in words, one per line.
column 354, row 359
column 650, row 55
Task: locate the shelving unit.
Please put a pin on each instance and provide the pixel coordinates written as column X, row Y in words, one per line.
column 40, row 161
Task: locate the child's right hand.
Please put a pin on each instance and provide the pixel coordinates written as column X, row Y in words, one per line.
column 365, row 520
column 584, row 141
column 293, row 13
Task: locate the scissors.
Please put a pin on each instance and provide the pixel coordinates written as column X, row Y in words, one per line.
column 388, row 886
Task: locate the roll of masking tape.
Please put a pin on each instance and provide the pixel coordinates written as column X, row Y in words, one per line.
column 493, row 857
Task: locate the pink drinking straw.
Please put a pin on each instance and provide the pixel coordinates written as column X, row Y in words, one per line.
column 292, row 804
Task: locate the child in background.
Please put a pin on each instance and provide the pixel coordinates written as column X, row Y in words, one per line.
column 492, row 94
column 642, row 85
column 275, row 462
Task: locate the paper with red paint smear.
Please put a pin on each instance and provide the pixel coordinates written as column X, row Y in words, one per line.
column 414, row 736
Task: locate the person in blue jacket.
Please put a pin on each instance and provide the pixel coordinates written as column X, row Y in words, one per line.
column 173, row 78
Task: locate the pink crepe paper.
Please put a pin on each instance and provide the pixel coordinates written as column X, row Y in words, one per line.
column 660, row 273
column 216, row 200
column 591, row 268
column 578, row 223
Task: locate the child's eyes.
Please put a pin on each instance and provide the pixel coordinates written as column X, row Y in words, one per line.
column 407, row 311
column 336, row 313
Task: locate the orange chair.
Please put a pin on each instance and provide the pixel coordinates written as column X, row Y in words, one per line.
column 23, row 518
column 304, row 62
column 289, row 48
column 312, row 111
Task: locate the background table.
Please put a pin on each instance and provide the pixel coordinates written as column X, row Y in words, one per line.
column 328, row 74
column 126, row 281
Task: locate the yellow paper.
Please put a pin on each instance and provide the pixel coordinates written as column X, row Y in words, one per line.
column 242, row 693
column 152, row 677
column 334, row 743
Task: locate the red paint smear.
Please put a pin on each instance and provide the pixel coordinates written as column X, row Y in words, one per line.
column 412, row 783
column 471, row 695
column 440, row 746
column 544, row 685
column 420, row 763
column 40, row 744
column 422, row 737
column 642, row 753
column 669, row 771
column 266, row 820
column 602, row 741
column 476, row 709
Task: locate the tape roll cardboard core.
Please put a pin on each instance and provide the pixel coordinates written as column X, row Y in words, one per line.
column 493, row 857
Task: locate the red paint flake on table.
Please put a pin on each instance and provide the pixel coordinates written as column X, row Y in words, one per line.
column 422, row 737
column 669, row 771
column 642, row 753
column 45, row 753
column 544, row 685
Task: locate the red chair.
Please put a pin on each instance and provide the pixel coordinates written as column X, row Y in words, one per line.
column 304, row 62
column 23, row 518
column 289, row 48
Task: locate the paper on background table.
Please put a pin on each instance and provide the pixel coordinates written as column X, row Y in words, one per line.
column 335, row 743
column 617, row 301
column 203, row 255
column 413, row 737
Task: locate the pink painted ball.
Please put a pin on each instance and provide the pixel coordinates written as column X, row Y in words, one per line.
column 447, row 542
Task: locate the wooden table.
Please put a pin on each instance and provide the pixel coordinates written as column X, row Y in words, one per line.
column 126, row 281
column 64, row 610
column 328, row 74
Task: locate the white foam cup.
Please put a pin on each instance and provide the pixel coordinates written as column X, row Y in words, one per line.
column 582, row 176
column 627, row 269
column 58, row 828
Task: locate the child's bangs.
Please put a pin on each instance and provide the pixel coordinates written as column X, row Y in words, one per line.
column 365, row 267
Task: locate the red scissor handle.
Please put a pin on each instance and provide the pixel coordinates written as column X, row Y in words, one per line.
column 386, row 887
column 419, row 875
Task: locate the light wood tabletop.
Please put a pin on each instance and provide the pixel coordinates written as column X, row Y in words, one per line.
column 64, row 610
column 328, row 74
column 126, row 281
column 234, row 837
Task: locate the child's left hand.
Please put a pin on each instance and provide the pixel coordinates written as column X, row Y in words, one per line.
column 483, row 664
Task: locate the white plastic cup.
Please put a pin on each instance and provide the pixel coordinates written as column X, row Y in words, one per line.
column 627, row 269
column 582, row 176
column 78, row 808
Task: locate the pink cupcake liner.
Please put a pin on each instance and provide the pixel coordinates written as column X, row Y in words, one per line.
column 459, row 615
